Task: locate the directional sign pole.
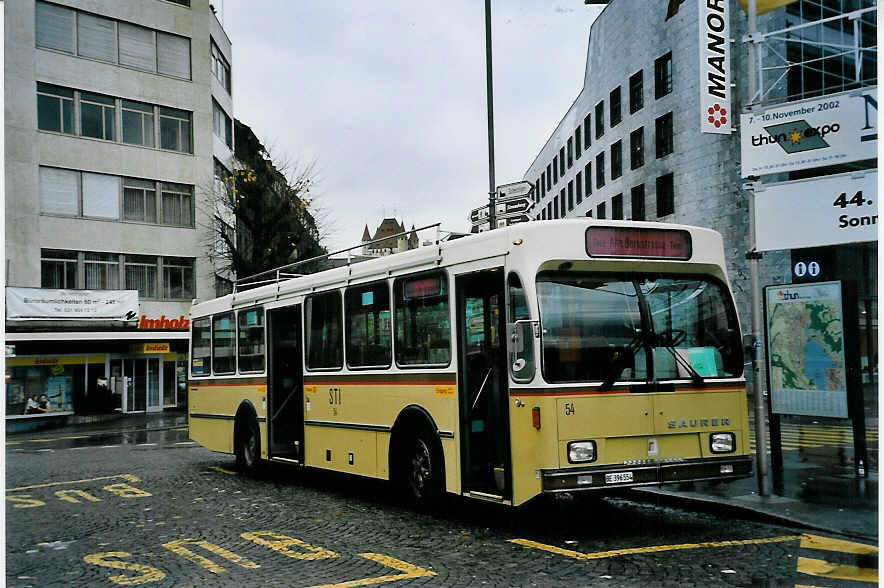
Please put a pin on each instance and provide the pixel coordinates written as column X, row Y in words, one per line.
column 492, row 220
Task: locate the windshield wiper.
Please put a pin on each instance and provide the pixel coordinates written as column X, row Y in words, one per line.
column 696, row 378
column 637, row 343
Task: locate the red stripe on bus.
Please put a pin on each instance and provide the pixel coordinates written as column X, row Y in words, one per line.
column 392, row 383
column 593, row 392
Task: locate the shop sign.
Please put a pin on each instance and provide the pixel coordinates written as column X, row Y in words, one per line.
column 827, row 210
column 836, row 128
column 715, row 67
column 46, row 304
column 155, row 348
column 163, row 323
column 805, row 349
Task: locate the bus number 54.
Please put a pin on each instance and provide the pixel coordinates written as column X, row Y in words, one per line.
column 569, row 409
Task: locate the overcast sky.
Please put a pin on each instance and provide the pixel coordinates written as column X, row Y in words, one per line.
column 388, row 97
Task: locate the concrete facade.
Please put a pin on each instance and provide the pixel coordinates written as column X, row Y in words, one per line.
column 28, row 62
column 628, row 36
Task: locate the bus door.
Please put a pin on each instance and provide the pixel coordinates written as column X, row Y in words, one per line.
column 285, row 393
column 482, row 374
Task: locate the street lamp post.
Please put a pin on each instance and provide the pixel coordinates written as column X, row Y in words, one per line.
column 492, row 205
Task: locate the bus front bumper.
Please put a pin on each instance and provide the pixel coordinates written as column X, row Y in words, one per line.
column 646, row 474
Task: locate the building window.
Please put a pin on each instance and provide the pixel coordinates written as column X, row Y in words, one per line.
column 600, row 211
column 600, row 170
column 173, row 55
column 587, row 178
column 97, row 116
column 138, row 47
column 178, row 278
column 101, row 195
column 141, row 275
column 549, row 210
column 636, row 92
column 55, row 109
column 570, row 195
column 614, row 106
column 665, row 195
column 536, row 190
column 578, row 143
column 543, row 183
column 638, row 202
column 177, row 205
column 423, row 333
column 55, row 27
column 139, row 200
column 616, row 160
column 570, row 152
column 578, row 184
column 96, row 37
column 59, row 191
column 664, row 135
column 102, row 271
column 555, row 207
column 587, row 131
column 599, row 119
column 138, row 125
column 561, row 162
column 548, row 177
column 637, row 148
column 617, row 207
column 220, row 68
column 175, row 130
column 58, row 269
column 562, row 203
column 663, row 75
column 223, row 286
column 555, row 167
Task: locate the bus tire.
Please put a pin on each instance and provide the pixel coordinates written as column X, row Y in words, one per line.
column 420, row 469
column 248, row 445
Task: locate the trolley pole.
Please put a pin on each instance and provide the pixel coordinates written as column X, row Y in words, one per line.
column 492, row 204
column 754, row 257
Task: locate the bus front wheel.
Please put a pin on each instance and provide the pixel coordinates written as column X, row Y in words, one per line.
column 248, row 446
column 420, row 469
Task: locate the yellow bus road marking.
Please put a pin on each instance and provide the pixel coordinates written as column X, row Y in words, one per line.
column 818, row 567
column 127, row 477
column 177, row 546
column 652, row 549
column 148, row 573
column 830, row 544
column 224, row 471
column 408, row 571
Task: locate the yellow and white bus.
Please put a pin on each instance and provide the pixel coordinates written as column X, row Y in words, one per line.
column 559, row 356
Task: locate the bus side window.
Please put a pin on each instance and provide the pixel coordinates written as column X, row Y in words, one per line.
column 520, row 332
column 201, row 347
column 223, row 344
column 368, row 326
column 251, row 340
column 423, row 330
column 323, row 320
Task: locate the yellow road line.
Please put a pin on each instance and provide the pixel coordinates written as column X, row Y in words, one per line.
column 652, row 549
column 409, row 571
column 127, row 477
column 818, row 567
column 830, row 544
column 223, row 471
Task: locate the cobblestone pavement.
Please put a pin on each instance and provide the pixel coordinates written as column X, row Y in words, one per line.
column 161, row 511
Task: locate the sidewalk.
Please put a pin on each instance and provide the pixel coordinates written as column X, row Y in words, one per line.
column 820, row 494
column 122, row 423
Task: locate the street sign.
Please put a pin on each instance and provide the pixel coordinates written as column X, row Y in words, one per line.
column 514, row 220
column 478, row 214
column 515, row 205
column 514, row 190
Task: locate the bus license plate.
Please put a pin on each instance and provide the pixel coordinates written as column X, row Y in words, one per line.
column 618, row 478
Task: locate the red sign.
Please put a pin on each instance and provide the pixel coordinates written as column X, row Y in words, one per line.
column 423, row 287
column 164, row 324
column 644, row 243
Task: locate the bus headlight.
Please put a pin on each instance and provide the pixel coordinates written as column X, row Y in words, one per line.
column 581, row 451
column 722, row 442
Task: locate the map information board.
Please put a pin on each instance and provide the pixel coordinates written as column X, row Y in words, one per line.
column 805, row 349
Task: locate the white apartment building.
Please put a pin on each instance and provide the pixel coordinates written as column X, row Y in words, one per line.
column 118, row 116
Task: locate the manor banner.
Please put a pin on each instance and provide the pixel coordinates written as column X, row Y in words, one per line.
column 831, row 129
column 715, row 67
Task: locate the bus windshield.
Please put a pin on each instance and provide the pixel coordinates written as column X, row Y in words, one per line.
column 636, row 327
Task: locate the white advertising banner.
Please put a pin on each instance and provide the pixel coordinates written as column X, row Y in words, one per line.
column 837, row 128
column 715, row 67
column 45, row 304
column 805, row 349
column 827, row 210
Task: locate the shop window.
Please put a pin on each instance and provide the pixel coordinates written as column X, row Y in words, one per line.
column 223, row 344
column 32, row 388
column 423, row 330
column 250, row 350
column 58, row 269
column 201, row 346
column 369, row 338
column 325, row 348
column 55, row 109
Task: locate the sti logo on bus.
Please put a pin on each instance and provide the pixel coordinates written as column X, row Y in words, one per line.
column 692, row 423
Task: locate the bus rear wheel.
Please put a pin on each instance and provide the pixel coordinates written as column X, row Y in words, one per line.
column 420, row 470
column 248, row 447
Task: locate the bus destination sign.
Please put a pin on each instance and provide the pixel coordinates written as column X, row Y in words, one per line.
column 646, row 243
